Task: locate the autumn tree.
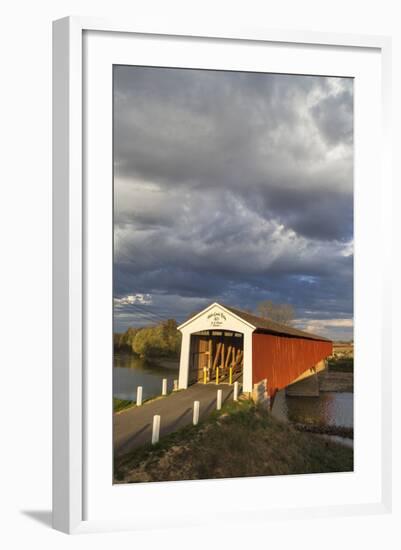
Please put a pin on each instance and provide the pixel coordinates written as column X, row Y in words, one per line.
column 280, row 313
column 163, row 340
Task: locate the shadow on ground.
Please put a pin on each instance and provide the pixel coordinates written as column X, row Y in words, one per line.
column 41, row 516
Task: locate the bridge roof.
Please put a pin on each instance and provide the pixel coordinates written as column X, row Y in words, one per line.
column 260, row 324
column 266, row 325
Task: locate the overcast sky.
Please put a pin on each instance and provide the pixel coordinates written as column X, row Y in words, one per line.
column 233, row 187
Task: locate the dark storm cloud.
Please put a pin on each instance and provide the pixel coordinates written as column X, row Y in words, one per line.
column 233, row 186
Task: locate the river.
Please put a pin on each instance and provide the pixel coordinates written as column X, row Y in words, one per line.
column 130, row 372
column 329, row 409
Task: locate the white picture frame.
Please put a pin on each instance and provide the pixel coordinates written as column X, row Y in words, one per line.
column 70, row 257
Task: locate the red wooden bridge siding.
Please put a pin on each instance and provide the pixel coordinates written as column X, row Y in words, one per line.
column 281, row 359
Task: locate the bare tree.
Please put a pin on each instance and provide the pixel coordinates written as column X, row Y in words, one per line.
column 281, row 313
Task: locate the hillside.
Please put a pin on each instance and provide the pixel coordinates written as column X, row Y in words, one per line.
column 242, row 440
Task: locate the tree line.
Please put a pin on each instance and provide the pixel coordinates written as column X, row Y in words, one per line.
column 162, row 340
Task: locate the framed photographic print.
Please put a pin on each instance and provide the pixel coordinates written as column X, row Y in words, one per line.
column 219, row 319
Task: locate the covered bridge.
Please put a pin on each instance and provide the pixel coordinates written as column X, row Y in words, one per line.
column 223, row 343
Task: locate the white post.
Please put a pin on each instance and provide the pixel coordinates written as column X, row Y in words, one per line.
column 164, row 386
column 247, row 385
column 156, row 429
column 139, row 396
column 219, row 398
column 235, row 391
column 175, row 387
column 184, row 361
column 196, row 413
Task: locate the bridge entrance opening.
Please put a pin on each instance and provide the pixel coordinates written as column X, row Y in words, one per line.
column 216, row 356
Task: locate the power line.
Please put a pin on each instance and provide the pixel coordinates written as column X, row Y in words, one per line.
column 143, row 309
column 144, row 316
column 146, row 313
column 161, row 316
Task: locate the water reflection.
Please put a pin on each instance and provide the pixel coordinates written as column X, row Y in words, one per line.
column 330, row 408
column 130, row 371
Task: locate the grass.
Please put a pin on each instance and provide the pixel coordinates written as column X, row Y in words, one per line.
column 239, row 441
column 121, row 404
column 341, row 364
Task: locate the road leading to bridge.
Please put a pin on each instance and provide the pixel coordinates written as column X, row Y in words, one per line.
column 133, row 427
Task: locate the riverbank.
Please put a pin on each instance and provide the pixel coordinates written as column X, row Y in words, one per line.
column 341, row 364
column 241, row 440
column 129, row 359
column 322, row 429
column 336, row 381
column 121, row 405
